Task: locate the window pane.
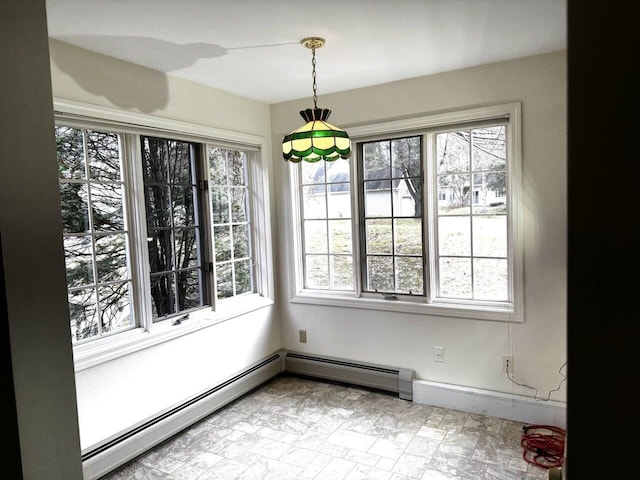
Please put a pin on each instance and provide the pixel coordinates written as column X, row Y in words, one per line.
column 490, row 192
column 408, row 236
column 103, row 151
column 379, row 236
column 313, row 173
column 316, row 271
column 162, row 295
column 217, row 166
column 453, row 195
column 238, row 205
column 315, row 236
column 155, row 161
column 377, row 198
column 111, row 257
column 490, row 235
column 70, row 150
column 490, row 279
column 222, row 239
column 189, row 295
column 453, row 154
column 158, row 206
column 240, row 241
column 454, row 236
column 220, row 204
column 160, row 246
column 339, row 200
column 376, row 160
column 75, row 207
column 341, row 272
column 339, row 236
column 78, row 260
column 183, row 206
column 224, row 281
column 409, row 275
column 314, row 201
column 237, row 162
column 243, row 281
column 180, row 168
column 83, row 313
column 407, row 197
column 406, row 157
column 107, row 206
column 114, row 307
column 380, row 274
column 186, row 248
column 455, row 277
column 489, row 148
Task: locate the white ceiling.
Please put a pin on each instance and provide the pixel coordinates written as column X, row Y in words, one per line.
column 252, row 47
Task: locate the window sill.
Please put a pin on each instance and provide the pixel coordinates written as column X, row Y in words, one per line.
column 350, row 300
column 100, row 351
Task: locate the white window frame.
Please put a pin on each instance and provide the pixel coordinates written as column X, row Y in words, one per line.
column 147, row 334
column 512, row 312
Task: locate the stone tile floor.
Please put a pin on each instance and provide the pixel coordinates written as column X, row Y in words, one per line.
column 301, row 429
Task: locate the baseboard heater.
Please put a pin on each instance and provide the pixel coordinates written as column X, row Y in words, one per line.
column 397, row 380
column 115, row 452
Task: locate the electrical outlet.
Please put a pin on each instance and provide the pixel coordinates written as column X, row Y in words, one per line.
column 438, row 354
column 507, row 364
column 303, row 336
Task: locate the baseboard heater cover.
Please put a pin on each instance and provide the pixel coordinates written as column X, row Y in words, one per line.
column 117, row 451
column 397, row 380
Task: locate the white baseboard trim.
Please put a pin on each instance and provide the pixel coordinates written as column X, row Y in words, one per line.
column 497, row 404
column 101, row 459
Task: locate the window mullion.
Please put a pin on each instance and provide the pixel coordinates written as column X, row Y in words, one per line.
column 357, row 205
column 472, row 212
column 92, row 232
column 430, row 208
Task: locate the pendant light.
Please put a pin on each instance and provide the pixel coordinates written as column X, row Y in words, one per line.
column 316, row 140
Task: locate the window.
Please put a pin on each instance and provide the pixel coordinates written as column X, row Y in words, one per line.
column 472, row 260
column 326, row 200
column 391, row 219
column 435, row 224
column 230, row 221
column 95, row 230
column 173, row 227
column 158, row 230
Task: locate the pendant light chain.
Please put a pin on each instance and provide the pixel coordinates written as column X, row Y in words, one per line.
column 315, row 87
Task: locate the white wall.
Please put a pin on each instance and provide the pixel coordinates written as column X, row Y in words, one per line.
column 118, row 394
column 473, row 348
column 31, row 227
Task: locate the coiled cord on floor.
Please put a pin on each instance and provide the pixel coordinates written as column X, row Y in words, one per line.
column 543, row 445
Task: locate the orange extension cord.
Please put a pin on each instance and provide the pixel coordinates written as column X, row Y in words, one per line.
column 543, row 445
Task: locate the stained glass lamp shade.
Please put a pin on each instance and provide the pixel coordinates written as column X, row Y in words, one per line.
column 316, row 140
